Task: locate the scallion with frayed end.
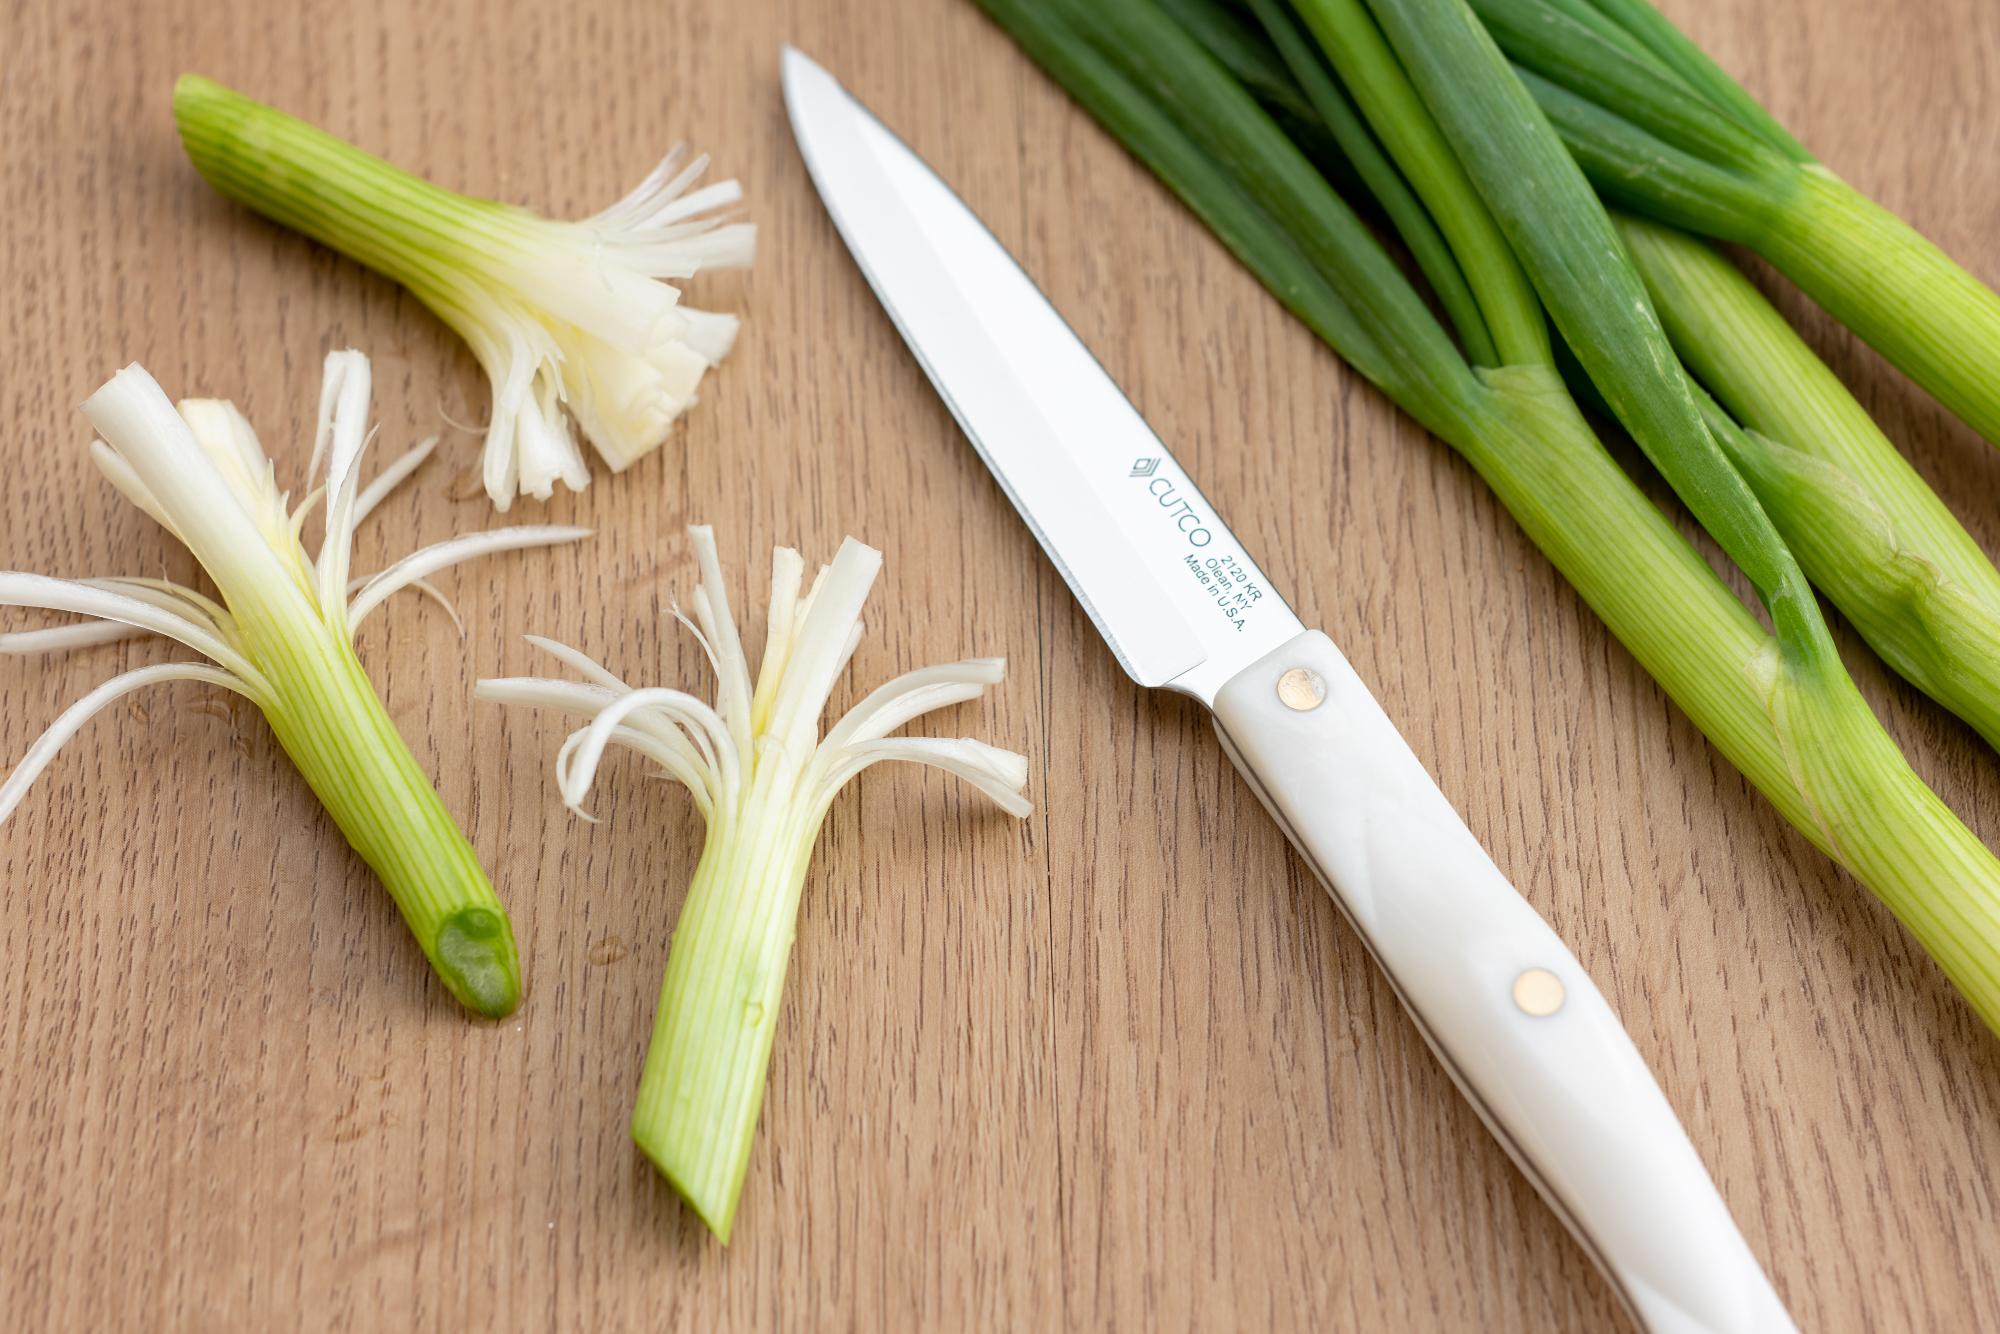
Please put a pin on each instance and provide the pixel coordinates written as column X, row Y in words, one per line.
column 763, row 777
column 282, row 636
column 568, row 319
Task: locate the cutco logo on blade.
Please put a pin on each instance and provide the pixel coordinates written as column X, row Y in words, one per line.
column 1168, row 495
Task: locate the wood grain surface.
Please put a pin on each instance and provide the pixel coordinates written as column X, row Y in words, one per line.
column 1118, row 1066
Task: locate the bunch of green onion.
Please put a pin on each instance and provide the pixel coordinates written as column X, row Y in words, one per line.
column 1261, row 118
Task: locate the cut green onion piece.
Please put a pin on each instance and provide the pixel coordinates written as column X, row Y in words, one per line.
column 561, row 315
column 282, row 636
column 763, row 779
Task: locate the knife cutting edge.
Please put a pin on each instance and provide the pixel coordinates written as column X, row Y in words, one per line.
column 1508, row 1010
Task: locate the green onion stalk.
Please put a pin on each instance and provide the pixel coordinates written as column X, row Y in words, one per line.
column 1662, row 131
column 1869, row 531
column 282, row 636
column 1533, row 243
column 568, row 319
column 763, row 779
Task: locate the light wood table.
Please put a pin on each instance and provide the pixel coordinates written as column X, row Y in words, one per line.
column 1118, row 1066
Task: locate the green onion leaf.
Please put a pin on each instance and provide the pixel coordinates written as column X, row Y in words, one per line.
column 1638, row 133
column 1652, row 28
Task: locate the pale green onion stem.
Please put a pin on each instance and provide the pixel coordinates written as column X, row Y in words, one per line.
column 1804, row 737
column 1889, row 283
column 326, row 714
column 703, row 1085
column 297, row 175
column 1850, row 789
column 1870, row 533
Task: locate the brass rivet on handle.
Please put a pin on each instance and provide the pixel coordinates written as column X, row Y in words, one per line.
column 1538, row 992
column 1302, row 689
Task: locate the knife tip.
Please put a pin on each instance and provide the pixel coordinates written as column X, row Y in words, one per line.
column 793, row 62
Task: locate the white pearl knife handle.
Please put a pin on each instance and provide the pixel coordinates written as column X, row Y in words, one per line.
column 1524, row 1032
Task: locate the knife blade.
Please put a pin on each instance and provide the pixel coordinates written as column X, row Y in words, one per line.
column 1508, row 1010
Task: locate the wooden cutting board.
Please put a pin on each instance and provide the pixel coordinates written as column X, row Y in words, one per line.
column 1116, row 1066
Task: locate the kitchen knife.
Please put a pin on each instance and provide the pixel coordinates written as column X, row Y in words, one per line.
column 1506, row 1007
